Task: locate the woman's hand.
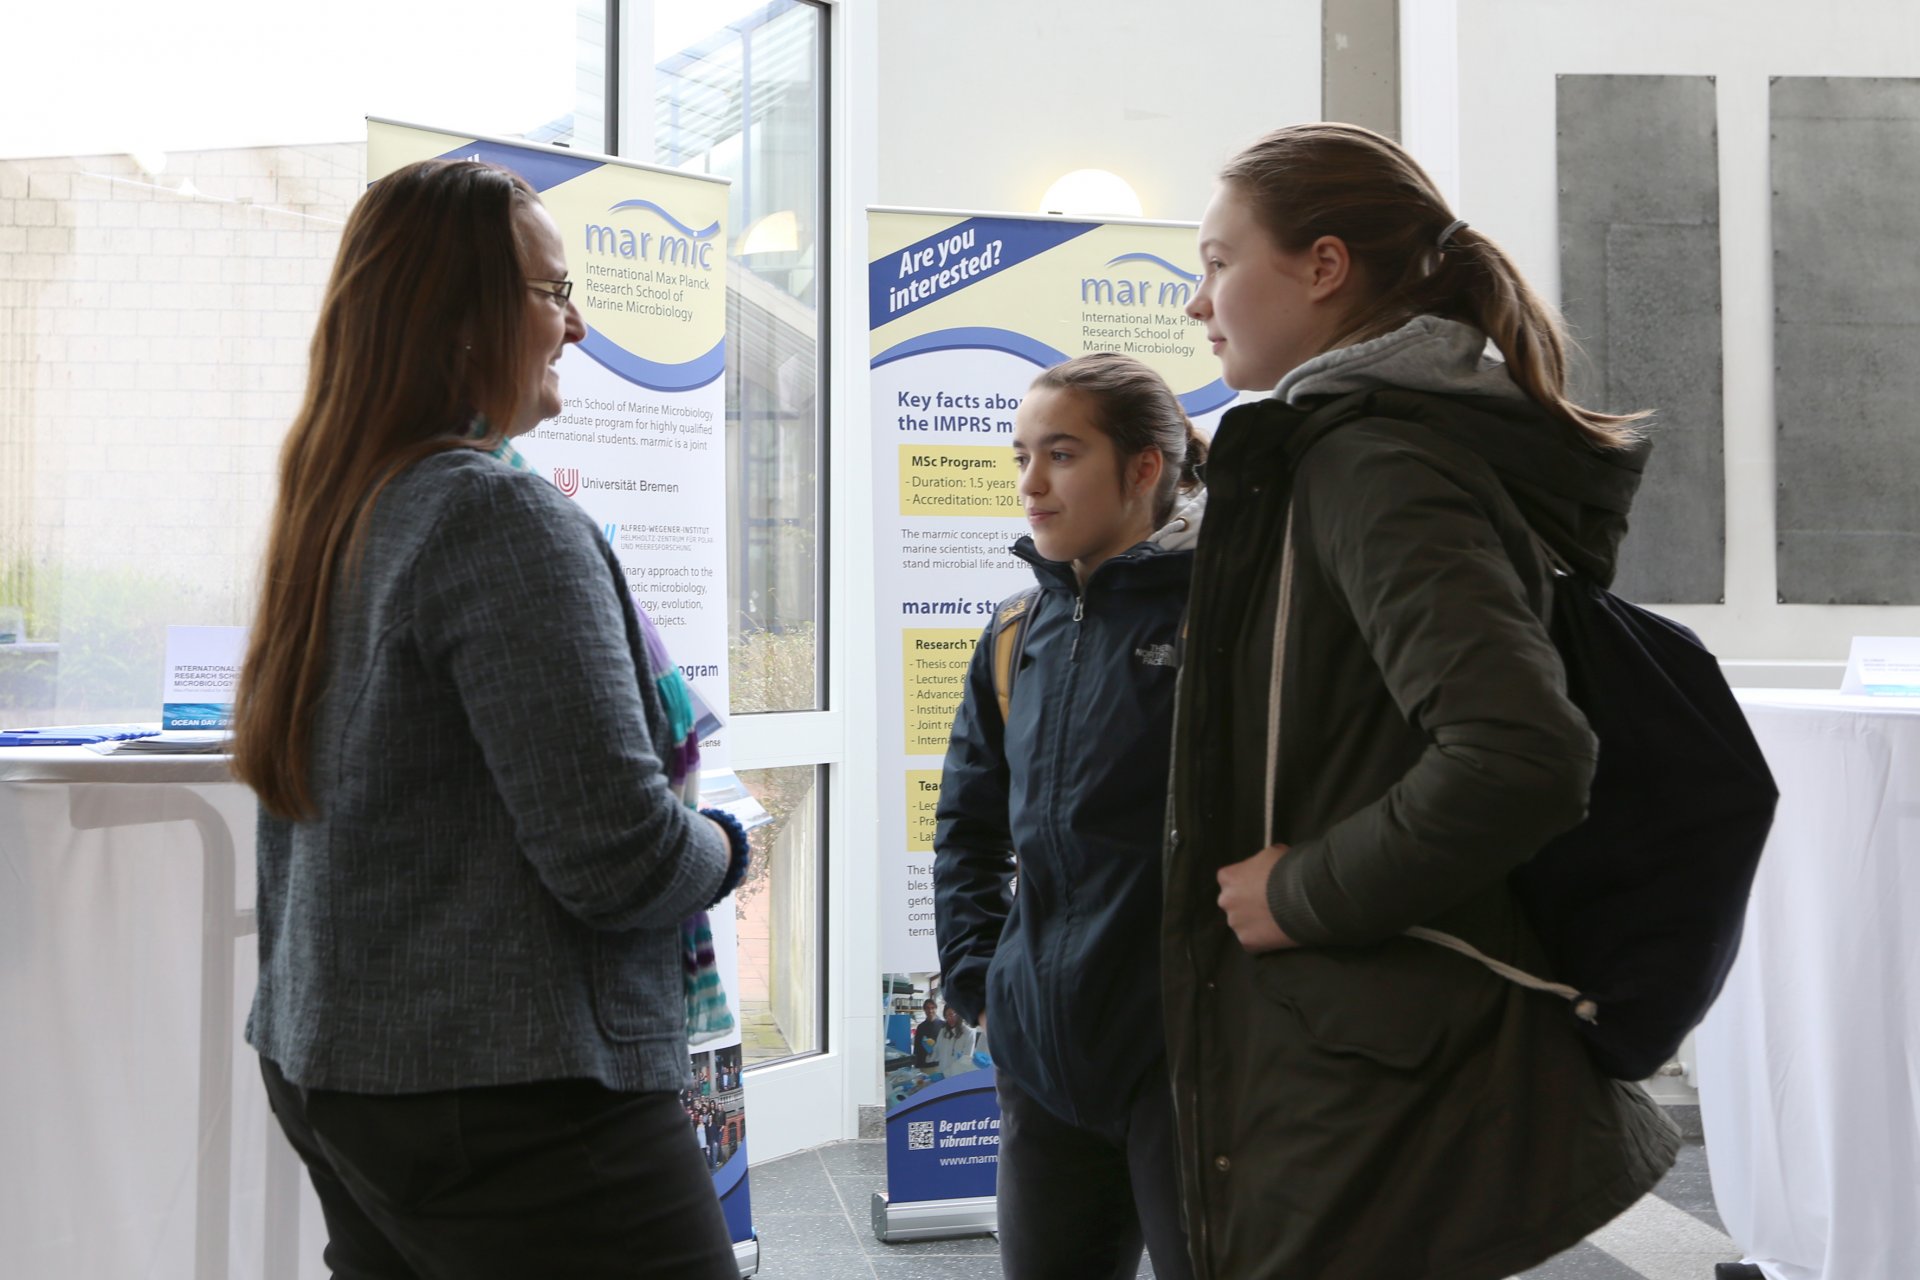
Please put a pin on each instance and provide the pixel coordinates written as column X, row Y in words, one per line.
column 1243, row 898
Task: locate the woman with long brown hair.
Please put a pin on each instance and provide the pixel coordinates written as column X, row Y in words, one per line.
column 472, row 869
column 1373, row 729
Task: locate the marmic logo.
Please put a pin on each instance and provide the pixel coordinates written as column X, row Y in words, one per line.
column 567, row 480
column 1135, row 291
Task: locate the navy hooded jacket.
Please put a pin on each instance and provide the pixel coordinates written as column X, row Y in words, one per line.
column 1075, row 784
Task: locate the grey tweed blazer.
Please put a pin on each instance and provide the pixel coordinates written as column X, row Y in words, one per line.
column 492, row 889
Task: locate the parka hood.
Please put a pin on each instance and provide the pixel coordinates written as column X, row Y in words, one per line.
column 1574, row 494
column 1427, row 353
column 1181, row 532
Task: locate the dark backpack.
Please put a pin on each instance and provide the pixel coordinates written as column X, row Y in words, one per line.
column 1640, row 907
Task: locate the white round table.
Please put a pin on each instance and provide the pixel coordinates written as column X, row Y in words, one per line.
column 1809, row 1063
column 134, row 1134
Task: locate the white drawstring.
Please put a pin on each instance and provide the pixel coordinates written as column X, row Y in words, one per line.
column 1583, row 1008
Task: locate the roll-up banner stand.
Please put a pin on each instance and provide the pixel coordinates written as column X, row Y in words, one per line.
column 641, row 444
column 964, row 310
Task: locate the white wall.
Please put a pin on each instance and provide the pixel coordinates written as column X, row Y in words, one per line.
column 983, row 105
column 1509, row 53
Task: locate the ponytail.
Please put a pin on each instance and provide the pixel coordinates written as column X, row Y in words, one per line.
column 1196, row 458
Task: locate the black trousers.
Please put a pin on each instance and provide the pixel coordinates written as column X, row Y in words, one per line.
column 1078, row 1204
column 565, row 1179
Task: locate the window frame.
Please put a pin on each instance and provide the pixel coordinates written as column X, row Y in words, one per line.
column 813, row 1098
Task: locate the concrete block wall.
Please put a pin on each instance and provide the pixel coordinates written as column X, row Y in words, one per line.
column 153, row 345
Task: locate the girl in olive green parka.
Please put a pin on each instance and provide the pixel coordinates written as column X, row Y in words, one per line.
column 1371, row 730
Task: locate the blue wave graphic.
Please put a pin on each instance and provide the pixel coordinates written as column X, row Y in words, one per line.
column 731, row 1186
column 196, row 715
column 1214, row 395
column 966, row 1082
column 678, row 225
column 733, row 1173
column 1008, row 242
column 542, row 169
column 651, row 374
column 1188, row 276
column 974, row 338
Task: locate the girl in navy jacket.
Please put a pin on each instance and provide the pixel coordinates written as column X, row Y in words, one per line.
column 1069, row 791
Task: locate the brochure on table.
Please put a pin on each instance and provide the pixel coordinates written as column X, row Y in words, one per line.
column 203, row 664
column 1883, row 667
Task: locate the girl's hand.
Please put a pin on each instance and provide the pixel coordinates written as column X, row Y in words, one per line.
column 1243, row 898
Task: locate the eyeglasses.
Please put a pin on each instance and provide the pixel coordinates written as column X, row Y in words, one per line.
column 562, row 289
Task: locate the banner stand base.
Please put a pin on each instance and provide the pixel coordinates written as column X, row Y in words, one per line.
column 746, row 1255
column 933, row 1219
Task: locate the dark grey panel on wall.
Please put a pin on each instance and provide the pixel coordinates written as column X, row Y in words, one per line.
column 1846, row 292
column 1639, row 176
column 1360, row 63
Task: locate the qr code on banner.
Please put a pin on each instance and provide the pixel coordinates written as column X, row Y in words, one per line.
column 919, row 1135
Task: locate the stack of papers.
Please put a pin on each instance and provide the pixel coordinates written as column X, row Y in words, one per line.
column 172, row 742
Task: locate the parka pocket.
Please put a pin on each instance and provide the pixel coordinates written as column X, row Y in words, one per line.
column 1395, row 1003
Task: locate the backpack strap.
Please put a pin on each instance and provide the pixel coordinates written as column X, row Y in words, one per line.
column 1009, row 642
column 1318, row 423
column 1310, row 432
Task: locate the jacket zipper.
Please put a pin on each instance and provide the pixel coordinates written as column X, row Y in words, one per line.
column 1055, row 825
column 1200, row 1190
column 1060, row 741
column 1199, row 1147
column 1204, row 1254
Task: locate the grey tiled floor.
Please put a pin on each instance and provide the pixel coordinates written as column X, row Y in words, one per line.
column 812, row 1212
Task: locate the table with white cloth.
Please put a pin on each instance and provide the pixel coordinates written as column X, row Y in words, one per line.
column 1809, row 1063
column 135, row 1138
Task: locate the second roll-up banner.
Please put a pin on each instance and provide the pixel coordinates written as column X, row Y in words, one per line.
column 640, row 443
column 964, row 309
